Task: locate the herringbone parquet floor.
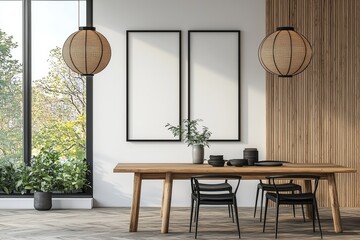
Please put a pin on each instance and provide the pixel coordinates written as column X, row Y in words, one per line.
column 112, row 223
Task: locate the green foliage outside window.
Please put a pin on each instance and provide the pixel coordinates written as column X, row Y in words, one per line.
column 58, row 107
column 58, row 126
column 11, row 117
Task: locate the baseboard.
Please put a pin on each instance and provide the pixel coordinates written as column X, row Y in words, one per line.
column 57, row 203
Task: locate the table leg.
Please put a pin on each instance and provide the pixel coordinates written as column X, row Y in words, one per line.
column 134, row 215
column 308, row 208
column 162, row 200
column 334, row 203
column 166, row 203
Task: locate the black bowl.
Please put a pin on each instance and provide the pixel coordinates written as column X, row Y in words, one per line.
column 216, row 163
column 238, row 162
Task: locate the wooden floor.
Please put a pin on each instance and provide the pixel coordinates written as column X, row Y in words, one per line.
column 112, row 223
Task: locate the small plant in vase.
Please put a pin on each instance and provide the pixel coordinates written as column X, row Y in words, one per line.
column 192, row 136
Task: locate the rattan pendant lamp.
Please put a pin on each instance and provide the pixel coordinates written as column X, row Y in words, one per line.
column 86, row 51
column 285, row 52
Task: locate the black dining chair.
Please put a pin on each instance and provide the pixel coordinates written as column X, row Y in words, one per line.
column 292, row 199
column 216, row 187
column 284, row 187
column 220, row 197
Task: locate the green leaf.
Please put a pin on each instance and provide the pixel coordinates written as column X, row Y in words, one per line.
column 47, row 178
column 18, row 183
column 6, row 190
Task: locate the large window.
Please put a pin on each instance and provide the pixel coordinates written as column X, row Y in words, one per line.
column 43, row 104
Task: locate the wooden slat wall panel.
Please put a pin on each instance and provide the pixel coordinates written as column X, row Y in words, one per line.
column 315, row 116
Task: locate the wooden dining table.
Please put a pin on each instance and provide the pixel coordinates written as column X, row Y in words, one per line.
column 173, row 171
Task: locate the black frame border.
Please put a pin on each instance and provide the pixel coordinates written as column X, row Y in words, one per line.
column 239, row 79
column 128, row 139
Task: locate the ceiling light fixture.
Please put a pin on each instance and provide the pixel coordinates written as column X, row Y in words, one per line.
column 86, row 51
column 285, row 52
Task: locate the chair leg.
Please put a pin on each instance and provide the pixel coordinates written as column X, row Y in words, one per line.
column 197, row 217
column 266, row 207
column 277, row 219
column 256, row 201
column 191, row 213
column 195, row 206
column 229, row 211
column 232, row 213
column 195, row 213
column 230, row 207
column 303, row 212
column 318, row 218
column 313, row 216
column 236, row 216
column 293, row 205
column 302, row 208
column 262, row 200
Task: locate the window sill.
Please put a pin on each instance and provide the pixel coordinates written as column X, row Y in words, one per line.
column 57, row 203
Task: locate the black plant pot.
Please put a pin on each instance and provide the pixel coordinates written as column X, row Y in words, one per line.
column 42, row 201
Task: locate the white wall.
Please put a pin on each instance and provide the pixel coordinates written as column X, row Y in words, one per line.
column 113, row 18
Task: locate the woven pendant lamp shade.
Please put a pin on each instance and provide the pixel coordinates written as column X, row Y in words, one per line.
column 86, row 51
column 285, row 52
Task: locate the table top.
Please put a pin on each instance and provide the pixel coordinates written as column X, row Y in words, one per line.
column 205, row 168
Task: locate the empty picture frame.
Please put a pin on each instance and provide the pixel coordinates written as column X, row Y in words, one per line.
column 153, row 78
column 214, row 82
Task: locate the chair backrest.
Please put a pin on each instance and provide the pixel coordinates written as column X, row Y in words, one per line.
column 291, row 181
column 272, row 179
column 292, row 177
column 282, row 161
column 195, row 180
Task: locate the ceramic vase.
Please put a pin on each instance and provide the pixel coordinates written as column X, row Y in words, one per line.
column 198, row 154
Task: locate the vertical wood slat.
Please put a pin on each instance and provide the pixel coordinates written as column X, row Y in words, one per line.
column 357, row 102
column 315, row 116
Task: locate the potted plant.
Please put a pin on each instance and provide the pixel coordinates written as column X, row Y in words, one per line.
column 48, row 173
column 192, row 136
column 45, row 177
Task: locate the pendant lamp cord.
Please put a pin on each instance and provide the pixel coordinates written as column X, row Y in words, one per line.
column 78, row 13
column 289, row 24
